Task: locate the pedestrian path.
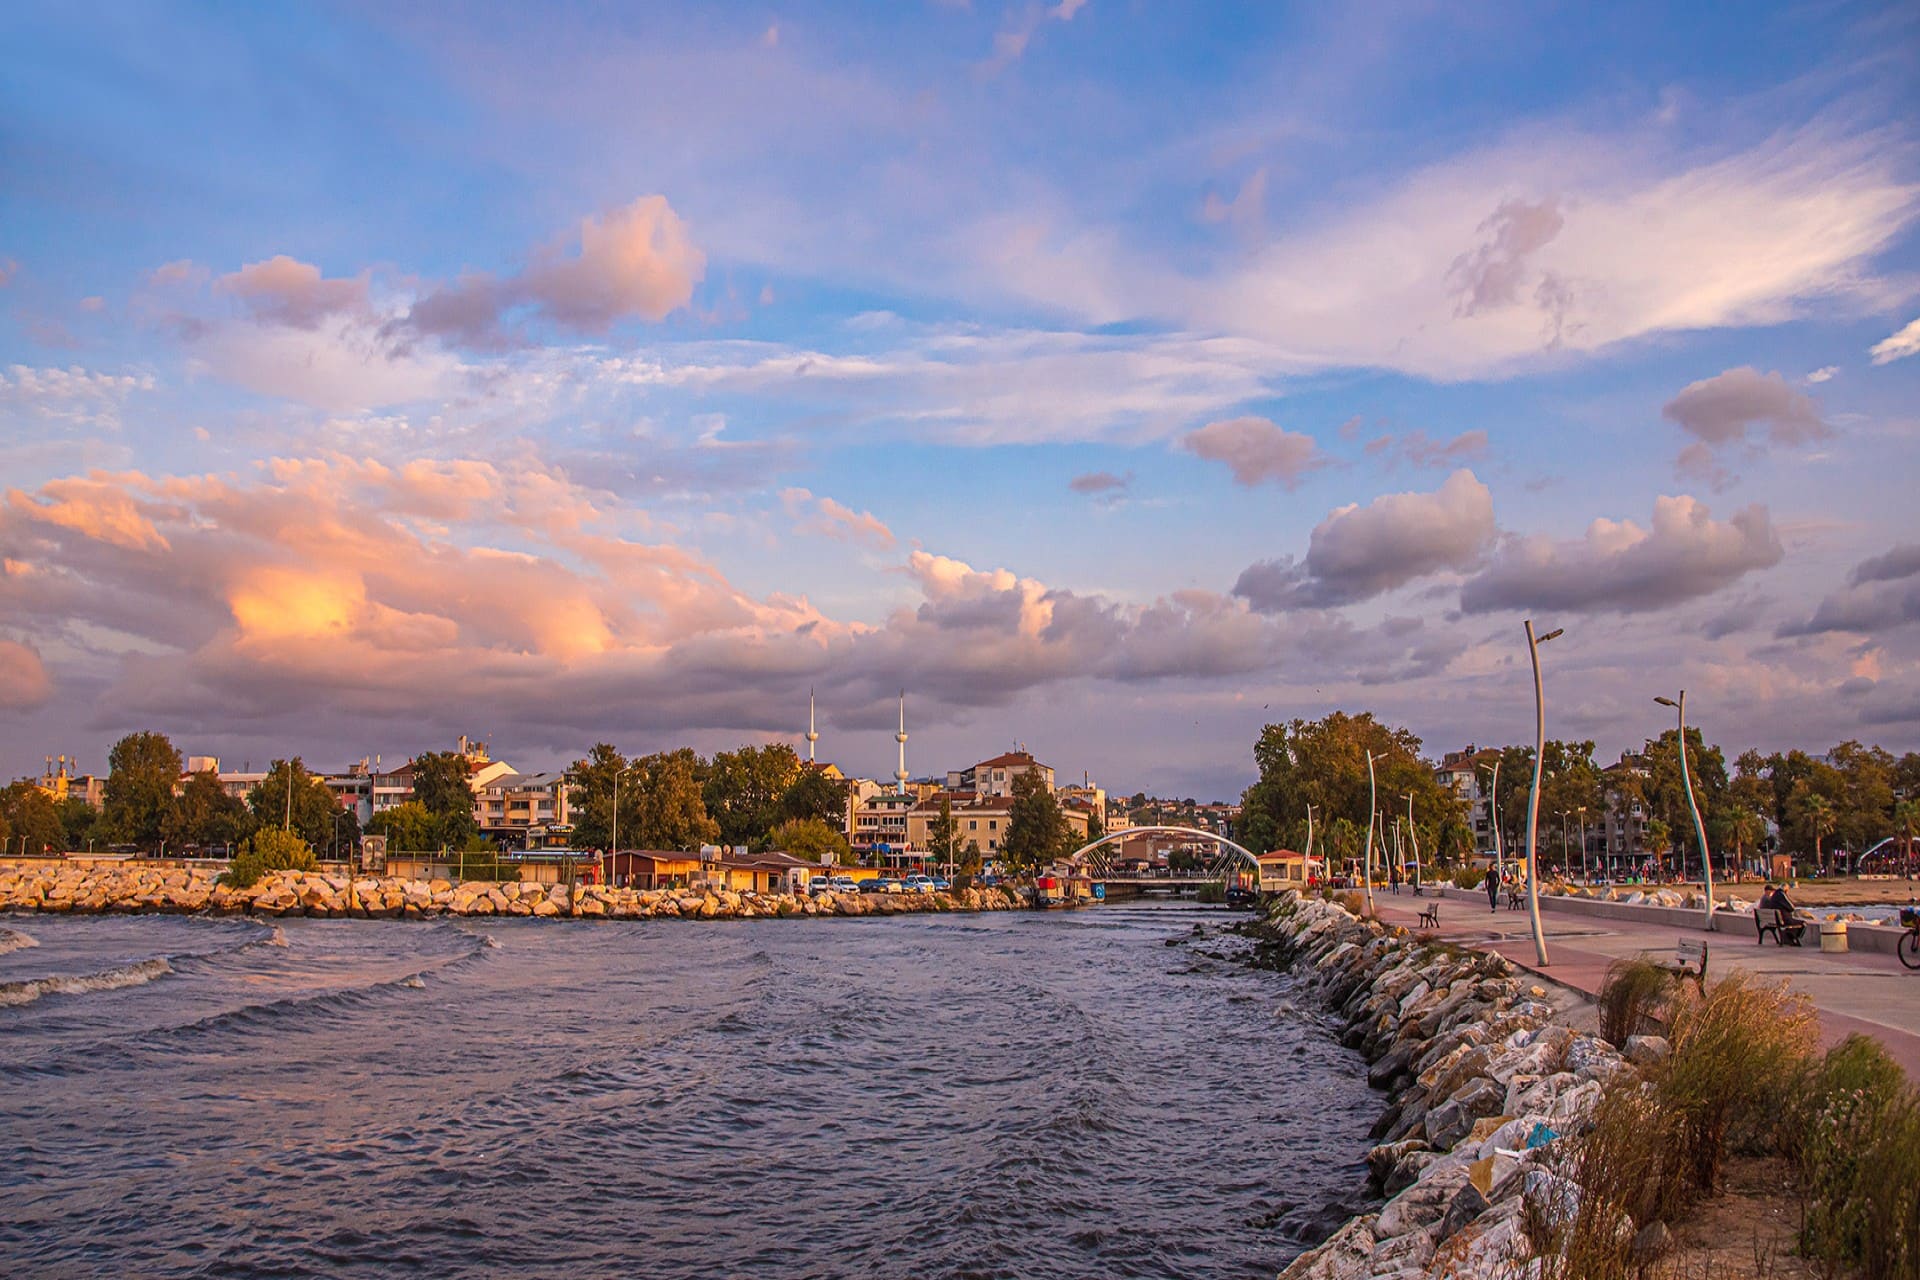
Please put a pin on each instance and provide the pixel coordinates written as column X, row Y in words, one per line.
column 1867, row 992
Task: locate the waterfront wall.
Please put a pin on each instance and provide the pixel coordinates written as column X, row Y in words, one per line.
column 1482, row 1082
column 97, row 889
column 1734, row 921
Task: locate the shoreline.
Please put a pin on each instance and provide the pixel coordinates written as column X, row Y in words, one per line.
column 1481, row 1073
column 123, row 890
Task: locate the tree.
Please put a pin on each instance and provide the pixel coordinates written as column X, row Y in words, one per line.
column 943, row 834
column 291, row 797
column 1095, row 827
column 268, row 849
column 815, row 795
column 442, row 783
column 1818, row 816
column 29, row 821
column 408, row 827
column 744, row 790
column 204, row 814
column 593, row 781
column 813, row 841
column 142, row 771
column 1667, row 795
column 1036, row 829
column 1906, row 821
column 80, row 821
column 1323, row 763
column 671, row 813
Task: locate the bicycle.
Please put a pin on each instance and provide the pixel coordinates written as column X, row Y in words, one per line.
column 1909, row 944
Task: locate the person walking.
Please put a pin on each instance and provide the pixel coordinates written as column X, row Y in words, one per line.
column 1493, row 888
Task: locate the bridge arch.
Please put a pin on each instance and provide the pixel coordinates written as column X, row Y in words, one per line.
column 1095, row 861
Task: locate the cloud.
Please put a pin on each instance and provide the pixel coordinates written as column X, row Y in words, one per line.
column 1010, row 43
column 1493, row 274
column 23, row 678
column 635, row 261
column 831, row 519
column 1898, row 346
column 1823, row 374
column 1620, row 567
column 283, row 290
column 1257, row 451
column 8, row 269
column 1416, row 449
column 1720, row 410
column 74, row 396
column 1247, row 210
column 1099, row 482
column 1359, row 552
column 1881, row 592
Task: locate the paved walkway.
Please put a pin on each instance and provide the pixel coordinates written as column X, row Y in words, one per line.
column 1867, row 992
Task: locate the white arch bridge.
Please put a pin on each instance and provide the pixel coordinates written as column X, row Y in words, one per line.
column 1095, row 859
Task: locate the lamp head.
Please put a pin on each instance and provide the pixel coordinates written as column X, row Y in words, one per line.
column 1557, row 631
column 1666, row 702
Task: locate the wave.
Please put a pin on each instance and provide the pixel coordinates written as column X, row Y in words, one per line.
column 126, row 975
column 14, row 940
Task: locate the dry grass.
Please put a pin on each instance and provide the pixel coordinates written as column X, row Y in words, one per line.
column 1632, row 999
column 1855, row 1131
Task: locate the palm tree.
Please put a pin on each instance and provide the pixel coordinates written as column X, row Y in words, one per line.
column 1746, row 828
column 1906, row 820
column 1821, row 819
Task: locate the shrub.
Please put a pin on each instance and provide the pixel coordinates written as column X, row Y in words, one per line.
column 1355, row 903
column 1632, row 998
column 1629, row 1171
column 1469, row 878
column 1737, row 1053
column 268, row 849
column 1855, row 1131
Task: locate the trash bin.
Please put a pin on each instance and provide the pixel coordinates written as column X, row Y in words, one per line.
column 1833, row 935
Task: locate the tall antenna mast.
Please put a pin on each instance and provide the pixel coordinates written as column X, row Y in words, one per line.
column 900, row 774
column 812, row 736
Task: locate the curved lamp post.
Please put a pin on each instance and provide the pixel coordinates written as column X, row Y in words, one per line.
column 1533, row 800
column 1373, row 804
column 1686, row 780
column 1306, row 863
column 1493, row 816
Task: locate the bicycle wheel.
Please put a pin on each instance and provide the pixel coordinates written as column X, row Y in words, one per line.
column 1909, row 949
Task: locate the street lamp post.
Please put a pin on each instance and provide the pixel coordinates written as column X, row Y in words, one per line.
column 1413, row 838
column 1373, row 805
column 1493, row 816
column 1586, row 872
column 1533, row 799
column 1686, row 780
column 613, row 852
column 1306, row 863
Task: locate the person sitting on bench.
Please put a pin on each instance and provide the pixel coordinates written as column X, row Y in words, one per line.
column 1787, row 926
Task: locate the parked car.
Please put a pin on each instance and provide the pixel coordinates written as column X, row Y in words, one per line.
column 918, row 884
column 941, row 884
column 879, row 884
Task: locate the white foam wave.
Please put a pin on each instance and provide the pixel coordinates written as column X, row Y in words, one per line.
column 14, row 940
column 126, row 975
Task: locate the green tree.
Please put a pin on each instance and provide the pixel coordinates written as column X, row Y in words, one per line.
column 812, row 840
column 744, row 790
column 1036, row 829
column 80, row 821
column 1864, row 807
column 143, row 769
column 268, row 849
column 943, row 834
column 408, row 827
column 1906, row 824
column 1818, row 816
column 442, row 783
column 29, row 821
column 1324, row 763
column 290, row 796
column 593, row 780
column 204, row 814
column 815, row 795
column 671, row 813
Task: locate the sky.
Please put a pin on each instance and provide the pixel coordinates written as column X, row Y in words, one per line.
column 1114, row 378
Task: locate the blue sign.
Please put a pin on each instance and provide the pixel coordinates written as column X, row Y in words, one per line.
column 883, row 848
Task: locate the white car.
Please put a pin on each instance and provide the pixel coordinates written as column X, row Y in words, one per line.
column 920, row 884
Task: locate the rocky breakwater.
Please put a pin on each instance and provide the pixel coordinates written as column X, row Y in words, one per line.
column 278, row 894
column 1485, row 1087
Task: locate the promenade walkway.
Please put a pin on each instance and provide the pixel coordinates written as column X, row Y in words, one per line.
column 1866, row 992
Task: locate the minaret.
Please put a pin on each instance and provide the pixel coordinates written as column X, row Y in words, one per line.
column 900, row 774
column 812, row 735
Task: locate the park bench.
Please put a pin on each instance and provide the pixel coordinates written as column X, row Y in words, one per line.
column 1430, row 916
column 1689, row 961
column 1516, row 898
column 1785, row 930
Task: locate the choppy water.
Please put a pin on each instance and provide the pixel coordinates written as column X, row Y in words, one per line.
column 1002, row 1095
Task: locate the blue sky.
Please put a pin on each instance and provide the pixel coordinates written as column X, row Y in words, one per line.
column 1115, row 377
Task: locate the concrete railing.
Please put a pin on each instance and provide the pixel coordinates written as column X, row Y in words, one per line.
column 1735, row 924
